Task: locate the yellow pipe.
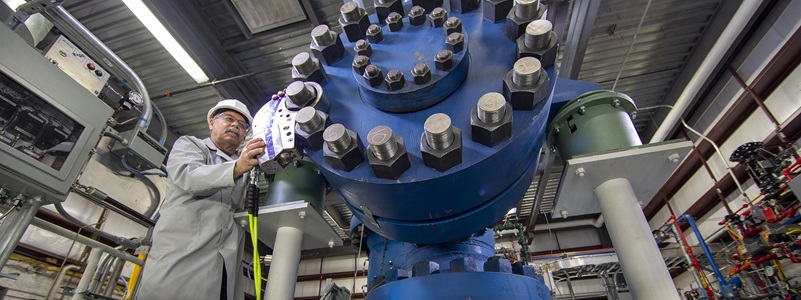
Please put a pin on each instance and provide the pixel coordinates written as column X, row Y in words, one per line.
column 137, row 271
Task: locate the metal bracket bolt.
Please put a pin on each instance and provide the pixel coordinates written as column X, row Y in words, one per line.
column 581, row 172
column 674, row 158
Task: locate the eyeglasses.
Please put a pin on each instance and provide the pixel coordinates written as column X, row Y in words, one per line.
column 230, row 120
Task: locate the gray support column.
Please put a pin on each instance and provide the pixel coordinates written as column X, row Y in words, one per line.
column 14, row 226
column 284, row 267
column 88, row 274
column 639, row 256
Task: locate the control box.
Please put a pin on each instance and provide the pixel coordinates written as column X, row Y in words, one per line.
column 64, row 54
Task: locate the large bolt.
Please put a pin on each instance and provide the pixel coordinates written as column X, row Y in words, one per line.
column 526, row 84
column 526, row 71
column 326, row 45
column 455, row 42
column 385, row 7
column 496, row 10
column 307, row 68
column 421, row 73
column 342, row 149
column 538, row 34
column 394, row 21
column 351, row 11
column 527, row 9
column 372, row 75
column 303, row 63
column 386, row 153
column 337, row 139
column 374, row 34
column 360, row 62
column 444, row 60
column 363, row 47
column 452, row 24
column 491, row 120
column 383, row 143
column 395, row 80
column 321, row 36
column 491, row 108
column 417, row 16
column 438, row 131
column 441, row 143
column 310, row 126
column 299, row 95
column 437, row 17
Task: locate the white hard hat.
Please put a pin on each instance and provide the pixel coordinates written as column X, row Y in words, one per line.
column 230, row 104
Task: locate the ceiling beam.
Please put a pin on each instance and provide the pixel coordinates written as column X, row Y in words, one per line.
column 582, row 20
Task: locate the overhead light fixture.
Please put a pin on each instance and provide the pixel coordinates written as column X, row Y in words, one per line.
column 165, row 38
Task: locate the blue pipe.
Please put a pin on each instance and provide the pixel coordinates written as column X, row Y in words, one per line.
column 708, row 253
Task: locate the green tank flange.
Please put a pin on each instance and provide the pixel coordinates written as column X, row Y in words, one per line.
column 597, row 121
column 300, row 180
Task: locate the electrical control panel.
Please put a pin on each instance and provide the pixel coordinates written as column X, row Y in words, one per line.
column 48, row 122
column 67, row 57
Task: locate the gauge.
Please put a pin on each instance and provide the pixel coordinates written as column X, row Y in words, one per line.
column 135, row 98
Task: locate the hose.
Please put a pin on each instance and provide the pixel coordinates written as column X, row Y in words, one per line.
column 126, row 243
column 137, row 172
column 252, row 205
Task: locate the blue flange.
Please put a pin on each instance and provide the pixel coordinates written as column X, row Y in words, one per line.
column 425, row 205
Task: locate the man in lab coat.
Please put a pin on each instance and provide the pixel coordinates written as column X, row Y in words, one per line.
column 197, row 247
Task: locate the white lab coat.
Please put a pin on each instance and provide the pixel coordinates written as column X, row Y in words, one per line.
column 196, row 233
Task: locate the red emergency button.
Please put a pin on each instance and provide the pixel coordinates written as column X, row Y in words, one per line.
column 90, row 66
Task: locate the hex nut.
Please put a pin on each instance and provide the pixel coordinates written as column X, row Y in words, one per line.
column 490, row 134
column 315, row 73
column 464, row 6
column 329, row 54
column 442, row 160
column 444, row 60
column 391, row 168
column 363, row 47
column 547, row 56
column 516, row 27
column 375, row 34
column 425, row 268
column 496, row 10
column 360, row 62
column 394, row 21
column 373, row 75
column 421, row 73
column 428, row 5
column 525, row 98
column 313, row 139
column 452, row 24
column 417, row 16
column 395, row 80
column 455, row 42
column 385, row 7
column 350, row 158
column 354, row 30
column 437, row 17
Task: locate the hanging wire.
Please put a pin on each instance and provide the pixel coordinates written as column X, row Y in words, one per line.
column 631, row 46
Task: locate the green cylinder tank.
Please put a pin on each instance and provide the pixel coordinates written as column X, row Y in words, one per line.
column 597, row 121
column 298, row 181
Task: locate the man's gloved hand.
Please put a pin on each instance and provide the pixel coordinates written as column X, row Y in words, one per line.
column 247, row 159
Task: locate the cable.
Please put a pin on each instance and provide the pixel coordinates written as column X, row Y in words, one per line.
column 631, row 46
column 358, row 256
column 137, row 172
column 8, row 212
column 124, row 284
column 252, row 206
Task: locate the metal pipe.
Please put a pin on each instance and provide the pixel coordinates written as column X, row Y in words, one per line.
column 707, row 252
column 86, row 279
column 284, row 267
column 12, row 232
column 114, row 278
column 84, row 240
column 569, row 285
column 163, row 123
column 638, row 253
column 102, row 199
column 738, row 22
column 60, row 278
column 100, row 275
column 127, row 243
column 722, row 158
column 59, row 16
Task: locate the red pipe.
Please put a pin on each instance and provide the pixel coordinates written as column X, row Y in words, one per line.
column 689, row 251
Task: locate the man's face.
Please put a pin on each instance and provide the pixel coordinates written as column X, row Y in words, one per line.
column 228, row 129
